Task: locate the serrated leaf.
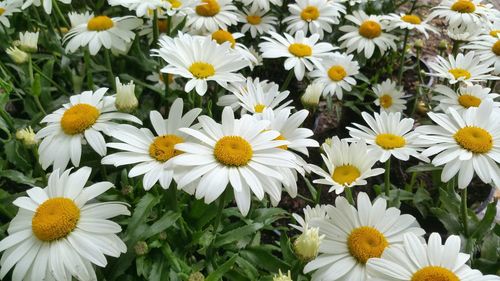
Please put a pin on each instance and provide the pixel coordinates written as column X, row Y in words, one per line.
column 18, row 177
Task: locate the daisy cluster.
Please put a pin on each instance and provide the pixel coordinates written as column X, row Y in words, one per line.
column 210, row 113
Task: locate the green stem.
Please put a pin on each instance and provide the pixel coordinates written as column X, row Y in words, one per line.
column 218, row 217
column 30, row 70
column 463, row 212
column 5, row 116
column 387, row 177
column 456, row 47
column 59, row 13
column 88, row 69
column 402, row 60
column 173, row 195
column 348, row 195
column 156, row 32
column 111, row 77
column 39, row 105
column 287, row 81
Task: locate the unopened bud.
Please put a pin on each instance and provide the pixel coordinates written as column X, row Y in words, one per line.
column 283, row 277
column 443, row 45
column 126, row 101
column 17, row 55
column 27, row 136
column 419, row 44
column 306, row 246
column 141, row 248
column 310, row 99
column 196, row 276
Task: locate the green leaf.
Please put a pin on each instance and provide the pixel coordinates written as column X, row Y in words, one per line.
column 140, row 214
column 167, row 220
column 237, row 234
column 487, row 222
column 263, row 258
column 219, row 273
column 312, row 190
column 449, row 221
column 14, row 155
column 18, row 177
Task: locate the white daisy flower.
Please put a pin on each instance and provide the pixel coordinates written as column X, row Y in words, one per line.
column 211, row 15
column 348, row 165
column 222, row 36
column 257, row 21
column 301, row 52
column 390, row 97
column 417, row 261
column 82, row 120
column 47, row 4
column 100, row 31
column 200, row 59
column 487, row 48
column 388, row 134
column 464, row 98
column 257, row 90
column 465, row 143
column 262, row 4
column 354, row 237
column 462, row 12
column 409, row 22
column 493, row 28
column 57, row 234
column 336, row 73
column 467, row 69
column 464, row 33
column 151, row 153
column 7, row 9
column 314, row 16
column 239, row 152
column 367, row 34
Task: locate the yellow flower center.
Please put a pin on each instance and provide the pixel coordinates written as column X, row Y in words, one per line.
column 496, row 48
column 55, row 219
column 459, row 72
column 208, row 8
column 162, row 25
column 365, row 243
column 310, row 13
column 337, row 73
column 233, row 151
column 474, row 139
column 259, row 108
column 463, row 6
column 495, row 32
column 202, row 70
column 385, row 101
column 390, row 141
column 300, row 50
column 345, row 174
column 469, row 101
column 2, row 10
column 79, row 118
column 100, row 23
column 370, row 29
column 175, row 3
column 413, row 19
column 162, row 148
column 222, row 36
column 254, row 19
column 434, row 273
column 281, row 137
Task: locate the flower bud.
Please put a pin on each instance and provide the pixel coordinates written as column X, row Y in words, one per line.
column 126, row 101
column 28, row 41
column 141, row 248
column 283, row 277
column 419, row 44
column 443, row 45
column 310, row 99
column 196, row 276
column 306, row 246
column 17, row 55
column 27, row 136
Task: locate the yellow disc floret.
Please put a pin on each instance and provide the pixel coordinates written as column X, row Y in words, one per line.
column 459, row 72
column 79, row 118
column 208, row 8
column 254, row 19
column 390, row 141
column 385, row 101
column 469, row 101
column 495, row 32
column 474, row 139
column 463, row 6
column 100, row 23
column 202, row 70
column 370, row 29
column 434, row 273
column 2, row 10
column 345, row 174
column 413, row 19
column 222, row 36
column 175, row 3
column 162, row 148
column 496, row 48
column 310, row 13
column 337, row 73
column 365, row 243
column 233, row 151
column 300, row 50
column 55, row 219
column 258, row 108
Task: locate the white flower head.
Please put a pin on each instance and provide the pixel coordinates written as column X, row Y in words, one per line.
column 463, row 99
column 390, row 97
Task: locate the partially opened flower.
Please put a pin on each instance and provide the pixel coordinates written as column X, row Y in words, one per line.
column 465, row 143
column 28, row 41
column 100, row 31
column 417, row 261
column 152, row 154
column 210, row 15
column 355, row 236
column 57, row 234
column 81, row 121
column 239, row 152
column 463, row 98
column 390, row 97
